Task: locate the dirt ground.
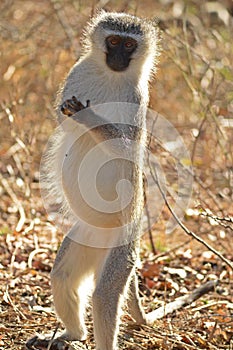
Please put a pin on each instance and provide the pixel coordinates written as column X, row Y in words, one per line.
column 193, row 90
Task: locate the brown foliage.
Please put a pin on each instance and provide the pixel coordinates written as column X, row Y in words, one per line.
column 193, row 89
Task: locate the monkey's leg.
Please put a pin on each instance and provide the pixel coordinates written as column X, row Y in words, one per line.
column 134, row 302
column 67, row 275
column 108, row 295
column 69, row 268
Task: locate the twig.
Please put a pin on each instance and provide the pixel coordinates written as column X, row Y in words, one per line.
column 146, row 206
column 172, row 250
column 222, row 221
column 33, row 254
column 63, row 20
column 177, row 41
column 191, row 172
column 197, row 137
column 17, row 203
column 187, row 46
column 52, row 338
column 214, row 303
column 149, row 225
column 13, row 256
column 8, row 298
column 182, row 301
column 186, row 230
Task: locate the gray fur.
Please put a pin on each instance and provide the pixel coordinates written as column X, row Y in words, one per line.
column 106, row 274
column 127, row 25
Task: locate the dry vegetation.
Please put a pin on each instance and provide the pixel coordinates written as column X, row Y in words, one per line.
column 194, row 90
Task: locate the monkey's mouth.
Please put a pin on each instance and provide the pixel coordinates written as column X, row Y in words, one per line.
column 117, row 68
column 118, row 65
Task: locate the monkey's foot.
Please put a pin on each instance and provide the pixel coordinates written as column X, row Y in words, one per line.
column 39, row 343
column 72, row 106
column 43, row 343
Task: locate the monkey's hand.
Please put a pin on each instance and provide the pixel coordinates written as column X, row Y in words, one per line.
column 98, row 127
column 72, row 106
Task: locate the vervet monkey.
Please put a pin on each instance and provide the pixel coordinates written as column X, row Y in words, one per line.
column 116, row 65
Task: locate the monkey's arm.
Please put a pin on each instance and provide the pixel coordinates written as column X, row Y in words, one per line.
column 99, row 127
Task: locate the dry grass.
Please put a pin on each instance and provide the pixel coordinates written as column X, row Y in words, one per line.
column 193, row 89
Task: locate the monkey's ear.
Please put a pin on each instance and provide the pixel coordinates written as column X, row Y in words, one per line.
column 99, row 11
column 95, row 16
column 158, row 23
column 102, row 10
column 155, row 21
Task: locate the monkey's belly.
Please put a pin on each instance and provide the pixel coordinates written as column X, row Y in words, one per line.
column 98, row 189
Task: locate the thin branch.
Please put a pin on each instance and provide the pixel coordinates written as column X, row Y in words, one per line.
column 149, row 225
column 222, row 221
column 182, row 301
column 53, row 337
column 177, row 41
column 218, row 218
column 63, row 20
column 7, row 298
column 186, row 230
column 33, row 254
column 16, row 201
column 172, row 250
column 190, row 171
column 144, row 190
column 198, row 136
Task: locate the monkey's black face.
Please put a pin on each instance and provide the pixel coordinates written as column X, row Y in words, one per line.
column 119, row 52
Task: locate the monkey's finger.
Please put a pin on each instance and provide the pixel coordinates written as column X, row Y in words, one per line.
column 75, row 100
column 77, row 103
column 37, row 343
column 66, row 110
column 69, row 108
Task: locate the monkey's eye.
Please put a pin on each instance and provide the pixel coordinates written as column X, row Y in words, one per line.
column 113, row 40
column 130, row 44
